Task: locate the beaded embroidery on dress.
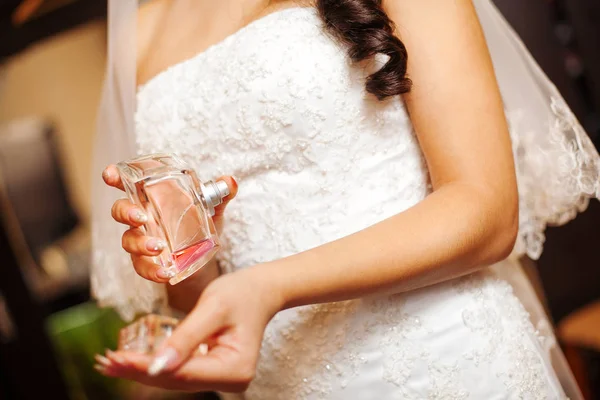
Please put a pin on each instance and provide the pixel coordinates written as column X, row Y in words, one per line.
column 295, row 126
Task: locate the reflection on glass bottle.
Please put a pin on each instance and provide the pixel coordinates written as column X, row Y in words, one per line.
column 179, row 209
column 147, row 333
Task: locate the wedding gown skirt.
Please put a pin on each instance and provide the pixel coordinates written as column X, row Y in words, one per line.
column 279, row 105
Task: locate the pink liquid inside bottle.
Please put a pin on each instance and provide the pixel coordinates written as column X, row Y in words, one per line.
column 189, row 255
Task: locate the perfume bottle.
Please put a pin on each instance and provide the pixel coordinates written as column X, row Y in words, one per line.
column 146, row 334
column 179, row 209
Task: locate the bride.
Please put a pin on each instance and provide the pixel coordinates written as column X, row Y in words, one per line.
column 394, row 159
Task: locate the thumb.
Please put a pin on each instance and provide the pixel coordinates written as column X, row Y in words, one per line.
column 203, row 322
column 233, row 189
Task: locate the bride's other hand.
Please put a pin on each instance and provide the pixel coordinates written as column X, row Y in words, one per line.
column 228, row 320
column 141, row 247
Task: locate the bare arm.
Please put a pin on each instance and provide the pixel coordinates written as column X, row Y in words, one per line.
column 470, row 220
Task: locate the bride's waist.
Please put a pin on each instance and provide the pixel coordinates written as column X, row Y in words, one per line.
column 478, row 301
column 320, row 191
column 277, row 217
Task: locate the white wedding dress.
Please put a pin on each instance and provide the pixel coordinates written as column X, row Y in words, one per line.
column 279, row 105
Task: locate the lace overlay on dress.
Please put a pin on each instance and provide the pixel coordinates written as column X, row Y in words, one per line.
column 322, row 349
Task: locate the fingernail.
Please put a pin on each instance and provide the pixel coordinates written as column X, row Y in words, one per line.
column 165, row 359
column 106, row 174
column 100, row 368
column 138, row 216
column 235, row 181
column 155, row 245
column 105, row 371
column 203, row 349
column 164, row 273
column 102, row 360
column 114, row 357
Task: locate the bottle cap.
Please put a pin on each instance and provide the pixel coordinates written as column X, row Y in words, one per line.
column 214, row 193
column 223, row 189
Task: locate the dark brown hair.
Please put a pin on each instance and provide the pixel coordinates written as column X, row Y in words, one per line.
column 365, row 28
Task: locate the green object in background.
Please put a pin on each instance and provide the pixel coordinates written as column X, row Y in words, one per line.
column 78, row 334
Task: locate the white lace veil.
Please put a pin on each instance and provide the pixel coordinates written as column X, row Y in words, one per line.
column 558, row 167
column 114, row 282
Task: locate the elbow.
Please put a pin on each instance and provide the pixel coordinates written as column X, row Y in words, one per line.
column 501, row 226
column 506, row 238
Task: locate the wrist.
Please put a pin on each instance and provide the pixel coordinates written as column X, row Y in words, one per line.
column 184, row 295
column 266, row 281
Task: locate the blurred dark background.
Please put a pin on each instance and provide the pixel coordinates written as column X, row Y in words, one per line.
column 51, row 65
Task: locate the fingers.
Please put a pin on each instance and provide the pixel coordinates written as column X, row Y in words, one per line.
column 233, row 189
column 111, row 177
column 206, row 319
column 148, row 269
column 142, row 248
column 127, row 213
column 220, row 209
column 135, row 242
column 134, row 368
column 115, row 358
column 220, row 370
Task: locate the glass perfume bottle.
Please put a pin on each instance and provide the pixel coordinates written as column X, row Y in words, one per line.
column 179, row 209
column 146, row 334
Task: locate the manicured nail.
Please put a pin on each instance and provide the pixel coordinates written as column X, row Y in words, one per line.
column 107, row 174
column 100, row 368
column 105, row 362
column 165, row 359
column 138, row 216
column 155, row 245
column 116, row 358
column 203, row 349
column 106, row 371
column 164, row 273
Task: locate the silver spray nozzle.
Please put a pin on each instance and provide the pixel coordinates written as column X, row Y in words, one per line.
column 214, row 193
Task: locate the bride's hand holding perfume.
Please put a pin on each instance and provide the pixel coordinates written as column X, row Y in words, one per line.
column 155, row 259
